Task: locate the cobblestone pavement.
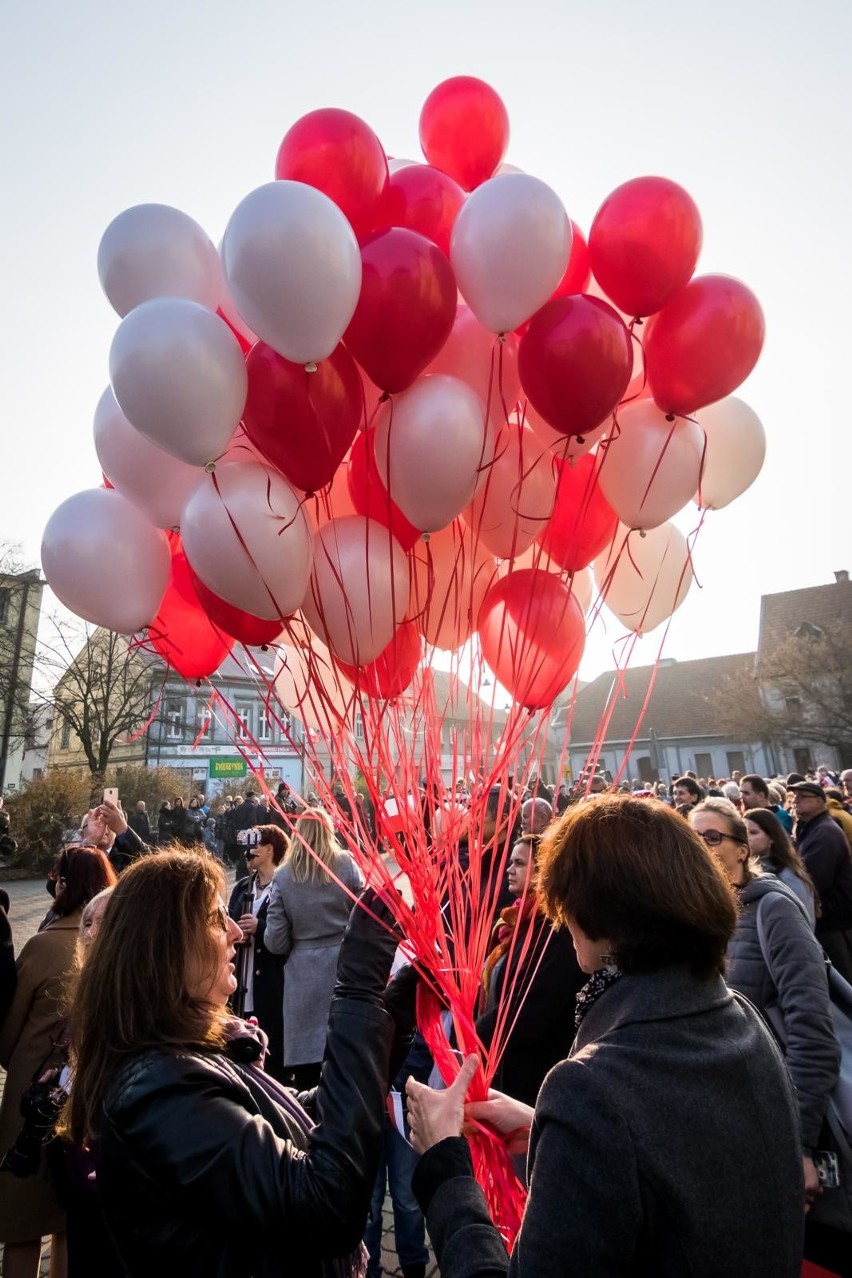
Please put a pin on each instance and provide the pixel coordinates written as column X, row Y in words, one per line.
column 29, row 904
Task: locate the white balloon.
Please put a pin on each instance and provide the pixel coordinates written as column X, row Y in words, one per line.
column 431, row 449
column 105, row 561
column 293, row 267
column 153, row 250
column 155, row 481
column 736, row 448
column 645, row 581
column 651, row 466
column 180, row 378
column 245, row 535
column 509, row 249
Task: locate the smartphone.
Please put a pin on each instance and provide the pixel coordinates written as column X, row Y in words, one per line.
column 828, row 1168
column 111, row 795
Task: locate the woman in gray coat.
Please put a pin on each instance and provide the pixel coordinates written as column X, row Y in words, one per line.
column 309, row 906
column 667, row 1142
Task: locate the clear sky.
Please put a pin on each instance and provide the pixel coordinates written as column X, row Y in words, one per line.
column 746, row 103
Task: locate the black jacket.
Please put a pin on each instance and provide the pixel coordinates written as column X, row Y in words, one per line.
column 125, row 850
column 268, row 981
column 822, row 846
column 203, row 1175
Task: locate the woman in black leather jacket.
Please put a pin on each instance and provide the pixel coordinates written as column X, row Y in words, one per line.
column 206, row 1166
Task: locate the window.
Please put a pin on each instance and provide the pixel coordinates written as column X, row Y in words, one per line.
column 206, row 724
column 804, row 762
column 173, row 716
column 736, row 762
column 65, row 739
column 4, row 605
column 359, row 728
column 38, row 773
column 243, row 720
column 264, row 723
column 704, row 765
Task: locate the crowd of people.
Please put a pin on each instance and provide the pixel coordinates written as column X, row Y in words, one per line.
column 204, row 1086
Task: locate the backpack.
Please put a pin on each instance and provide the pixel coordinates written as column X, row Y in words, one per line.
column 833, row 1207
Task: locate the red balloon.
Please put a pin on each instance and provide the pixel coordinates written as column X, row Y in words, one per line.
column 532, row 634
column 339, row 154
column 303, row 423
column 406, row 308
column 255, row 632
column 703, row 343
column 369, row 495
column 464, row 129
column 181, row 632
column 393, row 669
column 425, row 200
column 245, row 344
column 583, row 523
column 575, row 361
column 644, row 243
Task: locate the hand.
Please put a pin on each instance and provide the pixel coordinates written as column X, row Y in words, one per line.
column 368, row 949
column 247, row 925
column 433, row 1116
column 112, row 816
column 813, row 1188
column 510, row 1118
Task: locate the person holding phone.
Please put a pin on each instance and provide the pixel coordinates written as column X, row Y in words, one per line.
column 105, row 827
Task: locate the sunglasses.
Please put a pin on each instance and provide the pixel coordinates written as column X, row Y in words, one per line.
column 713, row 838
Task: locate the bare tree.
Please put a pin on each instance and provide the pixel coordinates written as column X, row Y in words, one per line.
column 104, row 687
column 801, row 691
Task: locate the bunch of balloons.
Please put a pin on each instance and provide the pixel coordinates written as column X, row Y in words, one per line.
column 403, row 402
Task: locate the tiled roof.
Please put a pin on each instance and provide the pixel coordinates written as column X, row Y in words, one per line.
column 681, row 704
column 782, row 614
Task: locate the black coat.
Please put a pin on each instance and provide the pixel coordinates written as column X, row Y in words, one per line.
column 200, row 1173
column 268, row 981
column 541, row 989
column 667, row 1145
column 823, row 847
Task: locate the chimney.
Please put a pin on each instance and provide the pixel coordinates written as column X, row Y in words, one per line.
column 841, row 576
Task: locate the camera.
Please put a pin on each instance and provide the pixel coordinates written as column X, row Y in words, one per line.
column 40, row 1107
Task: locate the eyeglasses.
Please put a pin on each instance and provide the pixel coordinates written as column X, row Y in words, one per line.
column 220, row 917
column 714, row 837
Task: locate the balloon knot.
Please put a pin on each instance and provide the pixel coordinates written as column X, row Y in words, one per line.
column 264, row 647
column 642, row 532
column 311, row 367
column 637, row 319
column 384, row 397
column 309, row 494
column 501, row 338
column 198, row 683
column 210, row 467
column 426, row 536
column 670, row 417
column 581, row 439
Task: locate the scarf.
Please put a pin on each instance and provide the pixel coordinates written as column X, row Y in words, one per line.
column 512, row 919
column 597, row 984
column 246, row 1047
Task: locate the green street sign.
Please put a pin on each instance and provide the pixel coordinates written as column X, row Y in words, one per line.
column 228, row 767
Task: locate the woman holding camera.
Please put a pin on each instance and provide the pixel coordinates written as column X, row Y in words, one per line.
column 667, row 1143
column 29, row 1044
column 206, row 1166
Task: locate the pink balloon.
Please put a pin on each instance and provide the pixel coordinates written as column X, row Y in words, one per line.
column 736, row 447
column 245, row 535
column 644, row 579
column 651, row 466
column 105, row 561
column 509, row 249
column 450, row 575
column 489, row 367
column 439, row 418
column 358, row 590
column 516, row 500
column 155, row 481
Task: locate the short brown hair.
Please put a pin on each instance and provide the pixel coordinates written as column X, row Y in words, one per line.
column 632, row 872
column 134, row 989
column 272, row 834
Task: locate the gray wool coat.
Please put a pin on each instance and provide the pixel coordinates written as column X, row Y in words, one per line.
column 305, row 923
column 666, row 1144
column 794, row 983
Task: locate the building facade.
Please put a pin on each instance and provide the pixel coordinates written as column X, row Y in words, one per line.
column 20, row 608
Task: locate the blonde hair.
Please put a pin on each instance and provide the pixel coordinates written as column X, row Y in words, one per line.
column 313, row 849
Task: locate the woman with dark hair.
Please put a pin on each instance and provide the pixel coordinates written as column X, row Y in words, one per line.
column 207, row 1167
column 667, row 1142
column 530, row 981
column 165, row 824
column 308, row 907
column 260, row 992
column 29, row 1043
column 770, row 843
column 775, row 960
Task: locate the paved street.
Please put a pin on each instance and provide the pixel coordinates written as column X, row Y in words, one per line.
column 29, row 903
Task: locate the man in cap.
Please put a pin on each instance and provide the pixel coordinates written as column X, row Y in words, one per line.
column 822, row 846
